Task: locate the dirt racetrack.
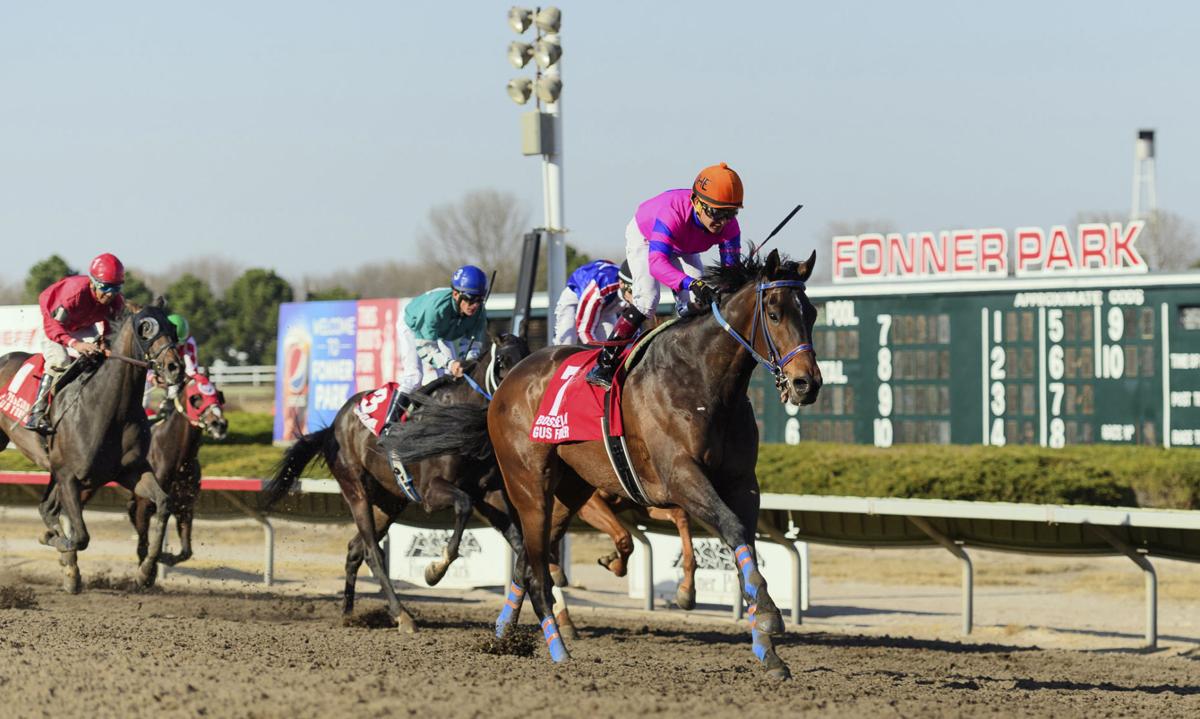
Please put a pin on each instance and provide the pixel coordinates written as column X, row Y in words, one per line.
column 178, row 652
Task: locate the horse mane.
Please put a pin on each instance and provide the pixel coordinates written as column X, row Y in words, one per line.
column 728, row 279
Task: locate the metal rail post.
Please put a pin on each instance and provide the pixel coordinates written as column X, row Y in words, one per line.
column 648, row 566
column 1148, row 574
column 268, row 535
column 968, row 574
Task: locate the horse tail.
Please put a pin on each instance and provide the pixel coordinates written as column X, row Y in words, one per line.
column 456, row 429
column 285, row 472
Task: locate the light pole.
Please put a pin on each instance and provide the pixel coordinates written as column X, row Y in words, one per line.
column 541, row 131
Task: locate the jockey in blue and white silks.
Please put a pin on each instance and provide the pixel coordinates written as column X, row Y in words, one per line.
column 592, row 302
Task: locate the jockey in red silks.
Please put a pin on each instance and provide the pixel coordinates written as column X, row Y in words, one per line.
column 592, row 302
column 663, row 243
column 75, row 312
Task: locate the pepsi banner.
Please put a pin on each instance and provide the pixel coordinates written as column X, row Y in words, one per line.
column 328, row 351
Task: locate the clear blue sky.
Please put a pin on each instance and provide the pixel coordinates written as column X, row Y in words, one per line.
column 309, row 136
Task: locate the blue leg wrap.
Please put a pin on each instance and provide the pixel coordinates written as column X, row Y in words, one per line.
column 760, row 642
column 554, row 642
column 511, row 608
column 745, row 562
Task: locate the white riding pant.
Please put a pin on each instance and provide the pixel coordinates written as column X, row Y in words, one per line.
column 58, row 357
column 645, row 286
column 416, row 369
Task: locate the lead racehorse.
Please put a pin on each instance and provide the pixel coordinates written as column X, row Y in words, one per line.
column 687, row 420
column 101, row 434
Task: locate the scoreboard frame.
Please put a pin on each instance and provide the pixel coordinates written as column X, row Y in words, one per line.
column 1049, row 360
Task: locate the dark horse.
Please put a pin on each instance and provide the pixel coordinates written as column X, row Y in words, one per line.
column 102, row 434
column 356, row 459
column 174, row 446
column 688, row 423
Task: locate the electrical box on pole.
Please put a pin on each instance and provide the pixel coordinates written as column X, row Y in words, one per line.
column 537, row 133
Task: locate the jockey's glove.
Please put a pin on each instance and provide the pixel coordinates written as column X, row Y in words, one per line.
column 702, row 294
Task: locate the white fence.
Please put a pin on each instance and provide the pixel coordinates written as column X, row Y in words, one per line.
column 254, row 375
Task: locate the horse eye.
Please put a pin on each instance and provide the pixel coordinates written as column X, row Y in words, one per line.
column 774, row 316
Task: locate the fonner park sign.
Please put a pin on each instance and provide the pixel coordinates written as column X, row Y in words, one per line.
column 981, row 253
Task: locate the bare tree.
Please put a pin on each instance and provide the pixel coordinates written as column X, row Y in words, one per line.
column 11, row 293
column 381, row 279
column 823, row 273
column 484, row 228
column 217, row 272
column 1169, row 242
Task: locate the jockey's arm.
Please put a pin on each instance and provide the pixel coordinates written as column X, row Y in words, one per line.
column 587, row 318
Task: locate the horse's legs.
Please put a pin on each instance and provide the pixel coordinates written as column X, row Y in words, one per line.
column 538, row 476
column 139, row 515
column 183, row 506
column 699, row 499
column 74, row 537
column 364, row 519
column 438, row 494
column 145, row 485
column 600, row 515
column 495, row 510
column 356, row 553
column 685, row 594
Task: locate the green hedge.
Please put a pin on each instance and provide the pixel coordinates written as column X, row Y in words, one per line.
column 1098, row 474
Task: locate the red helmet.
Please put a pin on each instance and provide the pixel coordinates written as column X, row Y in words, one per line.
column 108, row 269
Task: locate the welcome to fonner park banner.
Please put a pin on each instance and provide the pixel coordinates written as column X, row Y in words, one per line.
column 961, row 254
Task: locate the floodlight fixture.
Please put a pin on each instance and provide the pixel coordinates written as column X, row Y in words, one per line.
column 520, row 89
column 548, row 19
column 519, row 19
column 547, row 51
column 519, row 53
column 549, row 87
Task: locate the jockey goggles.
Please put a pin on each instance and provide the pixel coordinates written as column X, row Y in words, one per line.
column 470, row 299
column 106, row 288
column 718, row 214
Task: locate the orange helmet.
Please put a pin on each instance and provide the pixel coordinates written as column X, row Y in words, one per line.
column 718, row 186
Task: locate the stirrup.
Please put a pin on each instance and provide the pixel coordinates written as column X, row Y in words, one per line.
column 403, row 478
column 599, row 377
column 39, row 426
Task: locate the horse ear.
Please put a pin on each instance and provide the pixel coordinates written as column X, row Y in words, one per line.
column 807, row 270
column 160, row 302
column 772, row 263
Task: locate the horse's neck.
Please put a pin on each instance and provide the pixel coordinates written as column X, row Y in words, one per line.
column 121, row 381
column 724, row 365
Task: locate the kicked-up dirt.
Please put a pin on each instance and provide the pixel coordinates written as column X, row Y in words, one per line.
column 203, row 652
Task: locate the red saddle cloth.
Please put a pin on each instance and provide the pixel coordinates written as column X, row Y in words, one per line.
column 571, row 409
column 17, row 398
column 372, row 408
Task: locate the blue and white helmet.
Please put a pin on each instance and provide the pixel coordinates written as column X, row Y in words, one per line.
column 469, row 280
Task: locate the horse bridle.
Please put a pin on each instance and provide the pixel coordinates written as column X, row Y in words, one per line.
column 489, row 377
column 775, row 362
column 144, row 345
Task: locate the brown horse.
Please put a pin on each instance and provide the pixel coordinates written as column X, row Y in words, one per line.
column 360, row 465
column 174, row 446
column 102, row 434
column 687, row 420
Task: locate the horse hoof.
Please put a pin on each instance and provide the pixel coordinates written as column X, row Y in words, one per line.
column 779, row 671
column 686, row 599
column 72, row 583
column 434, row 574
column 566, row 628
column 770, row 622
column 612, row 562
column 406, row 624
column 48, row 537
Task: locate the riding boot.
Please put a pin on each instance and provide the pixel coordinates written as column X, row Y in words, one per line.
column 37, row 422
column 627, row 326
column 399, row 406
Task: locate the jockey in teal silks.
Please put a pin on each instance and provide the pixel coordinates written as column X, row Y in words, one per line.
column 442, row 330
